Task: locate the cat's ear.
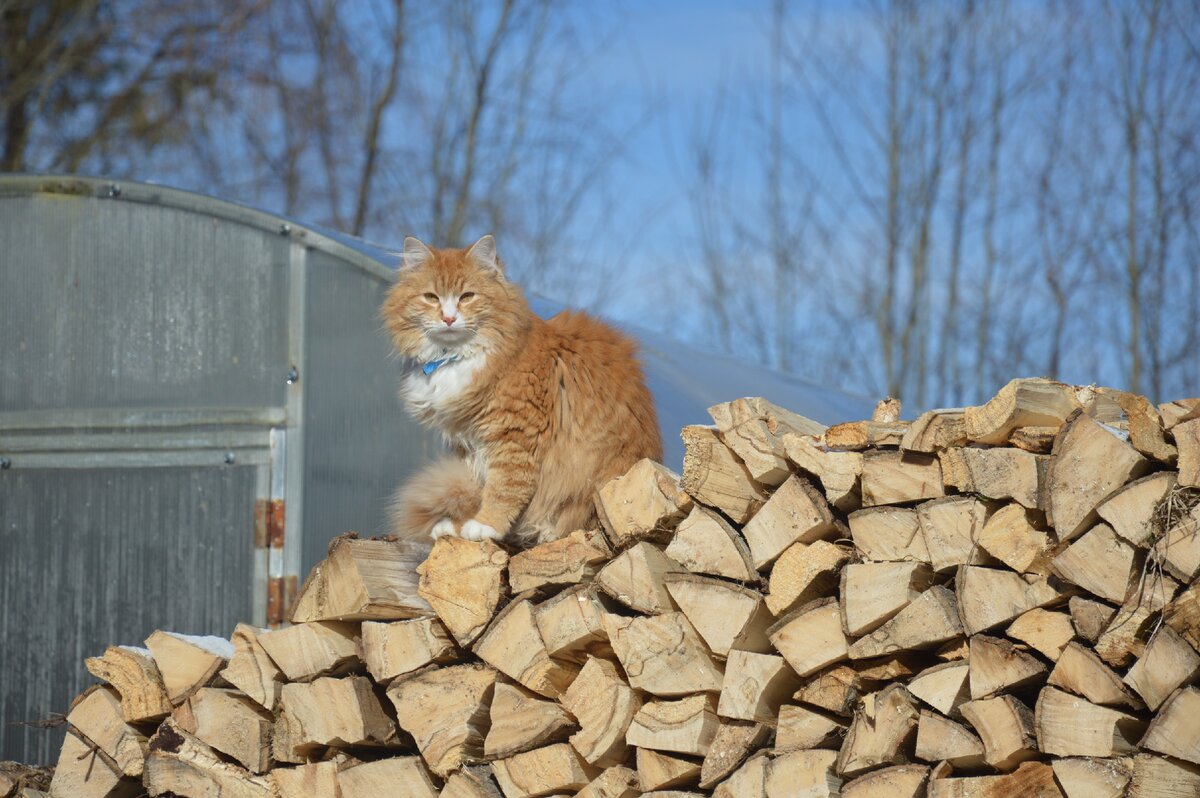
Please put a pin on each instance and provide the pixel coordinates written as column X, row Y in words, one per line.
column 415, row 253
column 483, row 254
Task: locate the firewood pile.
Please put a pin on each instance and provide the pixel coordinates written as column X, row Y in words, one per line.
column 987, row 601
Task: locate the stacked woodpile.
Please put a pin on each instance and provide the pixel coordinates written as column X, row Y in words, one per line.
column 991, row 601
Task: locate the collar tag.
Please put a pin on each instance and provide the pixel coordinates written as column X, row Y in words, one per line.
column 434, row 365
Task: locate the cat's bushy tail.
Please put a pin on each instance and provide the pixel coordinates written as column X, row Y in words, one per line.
column 446, row 488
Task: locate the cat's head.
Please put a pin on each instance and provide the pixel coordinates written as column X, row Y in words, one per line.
column 450, row 301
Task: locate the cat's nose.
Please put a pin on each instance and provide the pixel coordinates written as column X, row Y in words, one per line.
column 449, row 320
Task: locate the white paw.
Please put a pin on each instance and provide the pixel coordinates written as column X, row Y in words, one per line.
column 473, row 530
column 443, row 528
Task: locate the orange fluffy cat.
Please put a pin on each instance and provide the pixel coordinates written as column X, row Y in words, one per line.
column 538, row 413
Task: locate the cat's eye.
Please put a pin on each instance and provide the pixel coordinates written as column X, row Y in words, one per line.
column 431, row 297
column 466, row 295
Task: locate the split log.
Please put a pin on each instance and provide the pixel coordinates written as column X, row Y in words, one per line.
column 326, row 711
column 812, row 774
column 756, row 431
column 705, row 543
column 1067, row 725
column 1011, row 536
column 1036, row 440
column 615, row 782
column 543, row 771
column 811, row 637
column 882, row 727
column 645, row 503
column 522, row 721
column 684, row 726
column 734, row 741
column 1020, row 403
column 659, row 771
column 1044, row 631
column 944, row 687
column 1006, row 727
column 998, row 665
column 1167, row 663
column 1187, row 439
column 888, row 534
column 951, row 527
column 568, row 561
column 755, row 686
column 446, row 712
column 726, row 616
column 988, row 597
column 604, row 705
column 1145, row 425
column 1124, row 637
column 1090, row 462
column 873, row 593
column 316, row 780
column 663, row 655
column 941, row 739
column 1093, row 778
column 135, row 676
column 748, row 781
column 935, row 430
column 400, row 647
column 363, row 580
column 83, row 771
column 96, row 715
column 1080, row 671
column 1159, row 777
column 1174, row 731
column 801, row 728
column 835, row 690
column 838, row 472
column 858, row 436
column 932, row 618
column 635, row 578
column 804, row 572
column 713, row 475
column 229, row 722
column 513, row 646
column 796, row 512
column 251, row 669
column 1002, row 473
column 1031, row 780
column 1090, row 618
column 894, row 477
column 898, row 781
column 1178, row 550
column 187, row 662
column 402, row 777
column 308, row 650
column 463, row 581
column 179, row 764
column 1182, row 614
column 1177, row 412
column 572, row 623
column 1099, row 562
column 1130, row 510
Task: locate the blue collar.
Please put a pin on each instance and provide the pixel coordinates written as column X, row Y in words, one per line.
column 434, row 365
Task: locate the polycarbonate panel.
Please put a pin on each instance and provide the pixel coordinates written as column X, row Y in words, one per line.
column 359, row 443
column 95, row 558
column 108, row 303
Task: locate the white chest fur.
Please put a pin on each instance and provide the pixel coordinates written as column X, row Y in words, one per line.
column 430, row 394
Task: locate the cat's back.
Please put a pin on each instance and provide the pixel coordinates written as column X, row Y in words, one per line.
column 598, row 375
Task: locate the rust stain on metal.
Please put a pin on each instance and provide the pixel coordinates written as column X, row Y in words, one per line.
column 261, row 510
column 275, row 526
column 281, row 595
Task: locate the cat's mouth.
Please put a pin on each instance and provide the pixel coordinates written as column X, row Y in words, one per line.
column 450, row 336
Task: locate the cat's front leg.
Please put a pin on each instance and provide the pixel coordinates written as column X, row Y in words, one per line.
column 509, row 487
